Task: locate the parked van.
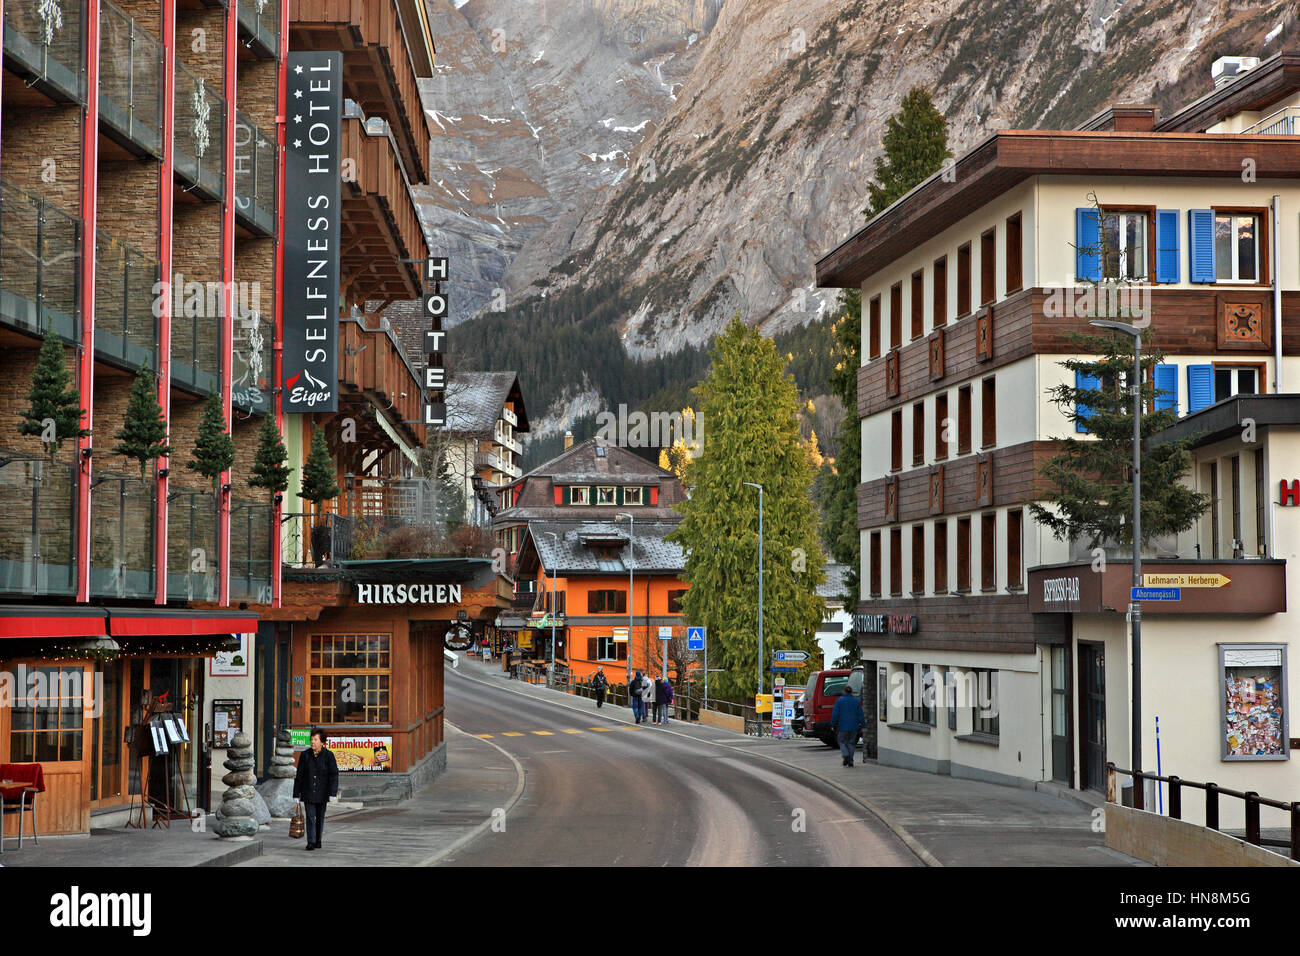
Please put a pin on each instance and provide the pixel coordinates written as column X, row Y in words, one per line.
column 819, row 699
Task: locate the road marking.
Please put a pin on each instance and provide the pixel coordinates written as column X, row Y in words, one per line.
column 511, row 733
column 604, row 730
column 543, row 733
column 484, row 736
column 572, row 731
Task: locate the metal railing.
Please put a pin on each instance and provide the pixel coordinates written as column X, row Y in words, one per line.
column 46, row 38
column 1253, row 802
column 130, row 78
column 37, row 522
column 122, row 536
column 196, row 328
column 126, row 328
column 259, row 20
column 199, row 124
column 684, row 706
column 192, row 546
column 254, row 175
column 315, row 540
column 40, row 264
column 251, row 550
column 1285, row 122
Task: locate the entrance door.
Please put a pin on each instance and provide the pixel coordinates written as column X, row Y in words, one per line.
column 48, row 724
column 1092, row 716
column 1062, row 749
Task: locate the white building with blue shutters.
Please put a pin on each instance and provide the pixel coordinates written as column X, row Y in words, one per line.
column 971, row 285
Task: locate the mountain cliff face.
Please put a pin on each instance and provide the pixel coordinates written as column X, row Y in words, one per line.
column 678, row 203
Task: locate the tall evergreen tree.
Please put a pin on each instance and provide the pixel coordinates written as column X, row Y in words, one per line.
column 753, row 436
column 143, row 436
column 269, row 468
column 52, row 398
column 916, row 146
column 214, row 449
column 319, row 472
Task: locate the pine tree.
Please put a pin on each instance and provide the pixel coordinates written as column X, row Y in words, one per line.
column 214, row 449
column 52, row 398
column 143, row 436
column 751, row 407
column 319, row 472
column 916, row 146
column 269, row 468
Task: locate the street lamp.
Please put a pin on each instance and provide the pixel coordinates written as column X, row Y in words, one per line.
column 631, row 562
column 1135, row 607
column 554, row 606
column 760, row 599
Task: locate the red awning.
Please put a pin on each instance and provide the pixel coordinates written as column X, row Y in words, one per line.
column 162, row 622
column 27, row 621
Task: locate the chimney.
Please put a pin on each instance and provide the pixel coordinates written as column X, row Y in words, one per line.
column 568, row 440
column 1228, row 68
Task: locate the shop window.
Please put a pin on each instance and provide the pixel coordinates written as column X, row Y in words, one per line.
column 963, row 281
column 918, row 303
column 873, row 328
column 48, row 725
column 1253, row 677
column 675, row 601
column 896, row 315
column 918, row 692
column 350, row 678
column 607, row 602
column 606, row 496
column 939, row 284
column 882, row 694
column 963, row 420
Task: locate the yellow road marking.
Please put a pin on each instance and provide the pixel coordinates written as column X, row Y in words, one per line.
column 543, row 733
column 511, row 734
column 604, row 730
column 573, row 731
column 484, row 736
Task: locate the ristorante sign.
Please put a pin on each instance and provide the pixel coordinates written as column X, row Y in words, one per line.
column 312, row 173
column 408, row 593
column 886, row 623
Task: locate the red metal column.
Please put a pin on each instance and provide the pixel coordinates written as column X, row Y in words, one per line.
column 165, row 187
column 89, row 231
column 277, row 335
column 226, row 346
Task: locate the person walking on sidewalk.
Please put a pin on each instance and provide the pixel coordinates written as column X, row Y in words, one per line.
column 648, row 698
column 316, row 784
column 634, row 697
column 664, row 697
column 847, row 720
column 599, row 684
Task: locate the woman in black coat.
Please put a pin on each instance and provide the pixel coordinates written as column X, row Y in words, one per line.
column 316, row 782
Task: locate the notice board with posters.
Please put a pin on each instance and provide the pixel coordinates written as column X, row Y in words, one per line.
column 1253, row 680
column 227, row 720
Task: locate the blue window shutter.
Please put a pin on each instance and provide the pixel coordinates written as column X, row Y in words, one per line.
column 1087, row 241
column 1166, row 382
column 1200, row 387
column 1200, row 245
column 1084, row 381
column 1167, row 245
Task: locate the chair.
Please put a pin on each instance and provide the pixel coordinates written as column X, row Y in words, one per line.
column 28, row 780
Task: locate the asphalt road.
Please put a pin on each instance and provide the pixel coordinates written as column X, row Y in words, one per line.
column 645, row 796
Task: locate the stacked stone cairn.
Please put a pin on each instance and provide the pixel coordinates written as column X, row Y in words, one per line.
column 277, row 789
column 242, row 808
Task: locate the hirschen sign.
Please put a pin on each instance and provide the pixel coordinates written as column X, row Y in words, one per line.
column 408, row 593
column 312, row 174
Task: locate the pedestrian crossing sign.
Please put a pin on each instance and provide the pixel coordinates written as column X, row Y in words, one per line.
column 695, row 638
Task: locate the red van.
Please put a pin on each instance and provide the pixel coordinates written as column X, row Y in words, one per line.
column 819, row 698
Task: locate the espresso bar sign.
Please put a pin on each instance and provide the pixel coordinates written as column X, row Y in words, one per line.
column 408, row 593
column 312, row 174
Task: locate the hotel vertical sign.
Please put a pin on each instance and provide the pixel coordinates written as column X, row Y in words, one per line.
column 312, row 174
column 437, row 270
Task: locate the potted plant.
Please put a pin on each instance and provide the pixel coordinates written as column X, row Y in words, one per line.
column 318, row 486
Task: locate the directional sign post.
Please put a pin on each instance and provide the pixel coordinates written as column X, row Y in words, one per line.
column 1186, row 580
column 789, row 657
column 1155, row 594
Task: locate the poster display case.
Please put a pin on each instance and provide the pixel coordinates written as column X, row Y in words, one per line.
column 1254, row 694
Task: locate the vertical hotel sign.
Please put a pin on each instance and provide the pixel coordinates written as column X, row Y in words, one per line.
column 312, row 175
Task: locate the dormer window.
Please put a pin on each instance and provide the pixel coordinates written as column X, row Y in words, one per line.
column 606, row 495
column 579, row 495
column 632, row 496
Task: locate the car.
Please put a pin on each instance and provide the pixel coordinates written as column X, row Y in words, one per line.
column 813, row 714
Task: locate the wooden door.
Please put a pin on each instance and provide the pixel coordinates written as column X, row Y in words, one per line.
column 1092, row 717
column 50, row 724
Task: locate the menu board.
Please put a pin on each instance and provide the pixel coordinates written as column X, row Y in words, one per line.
column 1254, row 706
column 362, row 753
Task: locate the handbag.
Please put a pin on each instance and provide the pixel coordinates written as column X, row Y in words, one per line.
column 297, row 824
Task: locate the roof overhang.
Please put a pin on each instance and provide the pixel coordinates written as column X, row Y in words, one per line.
column 1230, row 417
column 1273, row 80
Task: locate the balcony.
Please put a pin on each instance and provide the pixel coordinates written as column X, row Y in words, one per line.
column 254, row 177
column 375, row 373
column 40, row 264
column 1285, row 122
column 126, row 329
column 45, row 46
column 251, row 551
column 130, row 82
column 509, row 417
column 192, row 546
column 200, row 112
column 251, row 368
column 259, row 26
column 122, row 536
column 37, row 525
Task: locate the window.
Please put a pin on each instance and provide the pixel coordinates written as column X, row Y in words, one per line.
column 605, row 648
column 1236, row 505
column 918, row 559
column 963, row 419
column 984, row 709
column 939, row 283
column 919, row 686
column 579, row 496
column 1261, row 496
column 632, row 496
column 49, row 726
column 895, row 561
column 607, row 602
column 963, row 554
column 1236, row 247
column 963, row 280
column 988, row 267
column 940, row 557
column 988, row 552
column 606, row 496
column 1014, row 254
column 675, row 601
column 918, row 303
column 1015, row 536
column 1124, row 242
column 1254, row 702
column 548, row 596
column 896, row 440
column 1230, row 380
column 350, row 675
column 918, row 433
column 941, row 426
column 896, row 315
column 873, row 329
column 1214, row 509
column 989, row 413
column 874, row 580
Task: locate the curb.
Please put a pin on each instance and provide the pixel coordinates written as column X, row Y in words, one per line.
column 483, row 827
column 924, row 855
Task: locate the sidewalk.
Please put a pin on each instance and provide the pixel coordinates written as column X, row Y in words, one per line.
column 947, row 821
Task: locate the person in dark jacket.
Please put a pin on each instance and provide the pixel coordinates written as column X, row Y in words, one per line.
column 663, row 698
column 847, row 719
column 315, row 784
column 599, row 684
column 634, row 690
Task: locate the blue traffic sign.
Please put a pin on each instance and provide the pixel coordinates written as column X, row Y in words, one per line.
column 695, row 638
column 1155, row 594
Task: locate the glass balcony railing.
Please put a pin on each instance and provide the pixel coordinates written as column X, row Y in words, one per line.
column 122, row 536
column 250, row 551
column 259, row 21
column 199, row 125
column 254, row 176
column 130, row 79
column 40, row 261
column 126, row 329
column 37, row 525
column 43, row 39
column 192, row 546
column 251, row 364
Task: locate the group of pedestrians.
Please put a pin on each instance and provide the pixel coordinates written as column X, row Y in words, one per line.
column 649, row 697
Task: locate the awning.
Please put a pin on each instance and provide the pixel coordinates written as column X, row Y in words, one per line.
column 28, row 621
column 165, row 622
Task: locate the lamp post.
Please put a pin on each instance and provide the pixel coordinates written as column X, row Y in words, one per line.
column 1135, row 607
column 554, row 606
column 752, row 484
column 631, row 563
